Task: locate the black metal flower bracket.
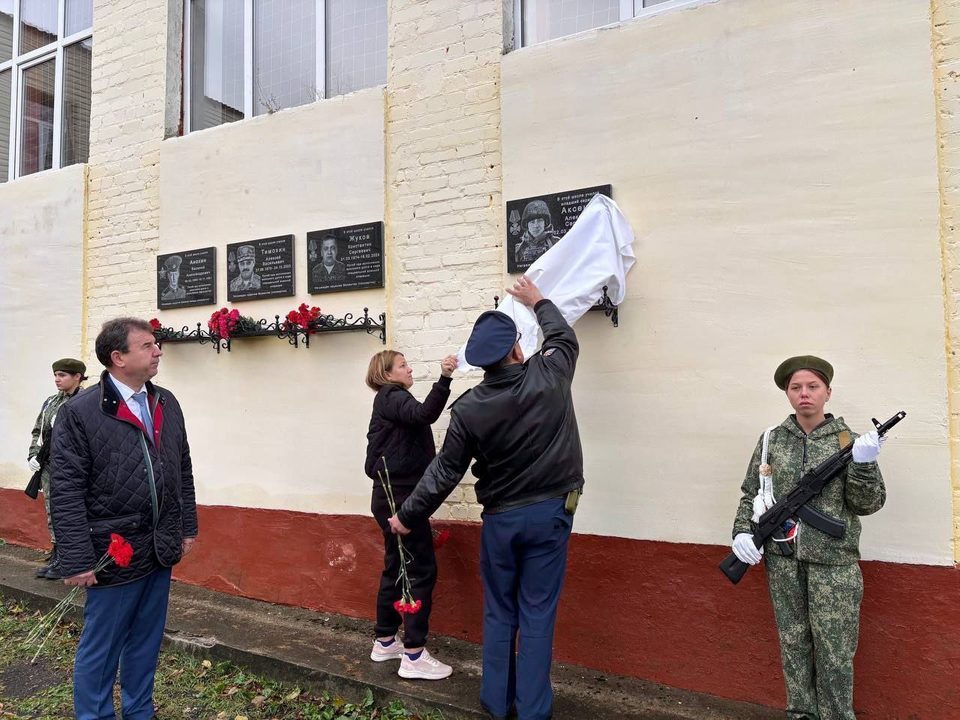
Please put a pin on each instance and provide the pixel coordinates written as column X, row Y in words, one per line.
column 292, row 333
column 604, row 305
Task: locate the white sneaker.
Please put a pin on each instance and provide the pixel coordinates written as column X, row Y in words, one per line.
column 382, row 653
column 425, row 667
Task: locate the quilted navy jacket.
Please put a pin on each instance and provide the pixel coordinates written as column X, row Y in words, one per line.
column 108, row 477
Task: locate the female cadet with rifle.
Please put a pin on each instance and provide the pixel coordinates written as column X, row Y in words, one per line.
column 813, row 577
column 68, row 375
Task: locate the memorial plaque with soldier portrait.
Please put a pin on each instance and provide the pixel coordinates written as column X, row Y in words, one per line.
column 345, row 258
column 260, row 269
column 187, row 278
column 535, row 224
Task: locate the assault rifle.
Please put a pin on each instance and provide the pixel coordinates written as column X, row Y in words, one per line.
column 794, row 505
column 33, row 487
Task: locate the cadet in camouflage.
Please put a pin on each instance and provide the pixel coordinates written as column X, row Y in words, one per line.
column 816, row 591
column 68, row 374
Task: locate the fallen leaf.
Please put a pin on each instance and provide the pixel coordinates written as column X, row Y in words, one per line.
column 241, row 717
column 258, row 701
column 231, row 691
column 292, row 696
column 207, row 664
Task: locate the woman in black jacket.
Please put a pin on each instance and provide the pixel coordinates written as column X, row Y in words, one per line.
column 400, row 442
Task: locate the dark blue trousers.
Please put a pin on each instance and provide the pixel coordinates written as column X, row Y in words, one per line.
column 523, row 556
column 122, row 625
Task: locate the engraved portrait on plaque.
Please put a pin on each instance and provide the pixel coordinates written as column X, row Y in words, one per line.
column 535, row 224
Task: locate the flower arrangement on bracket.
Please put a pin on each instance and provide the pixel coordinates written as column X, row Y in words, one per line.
column 406, row 605
column 304, row 318
column 225, row 324
column 160, row 332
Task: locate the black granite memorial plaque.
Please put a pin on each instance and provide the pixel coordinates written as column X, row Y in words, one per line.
column 345, row 258
column 187, row 278
column 535, row 224
column 260, row 269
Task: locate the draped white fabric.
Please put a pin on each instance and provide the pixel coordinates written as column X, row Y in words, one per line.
column 596, row 252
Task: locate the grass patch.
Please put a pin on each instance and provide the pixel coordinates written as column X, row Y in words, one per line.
column 186, row 688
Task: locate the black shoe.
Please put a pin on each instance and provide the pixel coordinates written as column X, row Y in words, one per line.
column 42, row 571
column 53, row 572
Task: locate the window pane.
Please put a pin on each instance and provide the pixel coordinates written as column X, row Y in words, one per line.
column 4, row 124
column 36, row 118
column 38, row 23
column 6, row 33
column 356, row 45
column 79, row 16
column 216, row 62
column 284, row 54
column 75, row 136
column 547, row 19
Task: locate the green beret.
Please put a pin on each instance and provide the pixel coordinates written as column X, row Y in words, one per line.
column 802, row 362
column 69, row 365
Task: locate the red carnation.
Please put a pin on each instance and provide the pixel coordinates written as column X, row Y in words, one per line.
column 120, row 550
column 408, row 608
column 155, row 324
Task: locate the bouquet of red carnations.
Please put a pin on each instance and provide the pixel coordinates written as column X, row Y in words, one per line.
column 119, row 551
column 406, row 605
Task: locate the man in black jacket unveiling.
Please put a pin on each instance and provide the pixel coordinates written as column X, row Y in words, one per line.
column 121, row 464
column 520, row 426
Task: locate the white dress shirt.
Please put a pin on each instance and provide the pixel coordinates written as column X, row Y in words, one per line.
column 127, row 394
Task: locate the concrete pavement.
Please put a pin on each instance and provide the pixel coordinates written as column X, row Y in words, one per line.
column 331, row 652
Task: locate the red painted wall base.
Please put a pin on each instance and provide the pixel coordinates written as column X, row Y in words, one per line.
column 658, row 611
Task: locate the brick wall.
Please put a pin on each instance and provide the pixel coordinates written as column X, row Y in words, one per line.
column 443, row 182
column 126, row 128
column 946, row 58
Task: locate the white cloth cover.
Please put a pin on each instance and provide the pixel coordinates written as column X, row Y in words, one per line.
column 596, row 251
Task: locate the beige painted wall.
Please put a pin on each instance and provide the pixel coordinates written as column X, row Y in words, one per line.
column 274, row 426
column 779, row 168
column 41, row 300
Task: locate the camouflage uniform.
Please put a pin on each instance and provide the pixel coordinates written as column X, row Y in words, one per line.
column 816, row 593
column 42, row 432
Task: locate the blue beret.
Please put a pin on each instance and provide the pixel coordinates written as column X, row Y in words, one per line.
column 493, row 336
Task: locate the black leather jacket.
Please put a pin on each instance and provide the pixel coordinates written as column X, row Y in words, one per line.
column 519, row 425
column 107, row 477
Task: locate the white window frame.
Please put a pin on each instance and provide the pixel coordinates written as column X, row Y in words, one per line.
column 629, row 9
column 248, row 77
column 18, row 64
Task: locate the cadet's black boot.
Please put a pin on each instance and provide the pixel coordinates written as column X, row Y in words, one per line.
column 47, row 562
column 54, row 572
column 51, row 571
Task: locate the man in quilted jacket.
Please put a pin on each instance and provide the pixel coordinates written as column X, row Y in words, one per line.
column 121, row 464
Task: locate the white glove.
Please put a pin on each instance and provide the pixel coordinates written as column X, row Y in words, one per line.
column 866, row 448
column 745, row 550
column 33, row 464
